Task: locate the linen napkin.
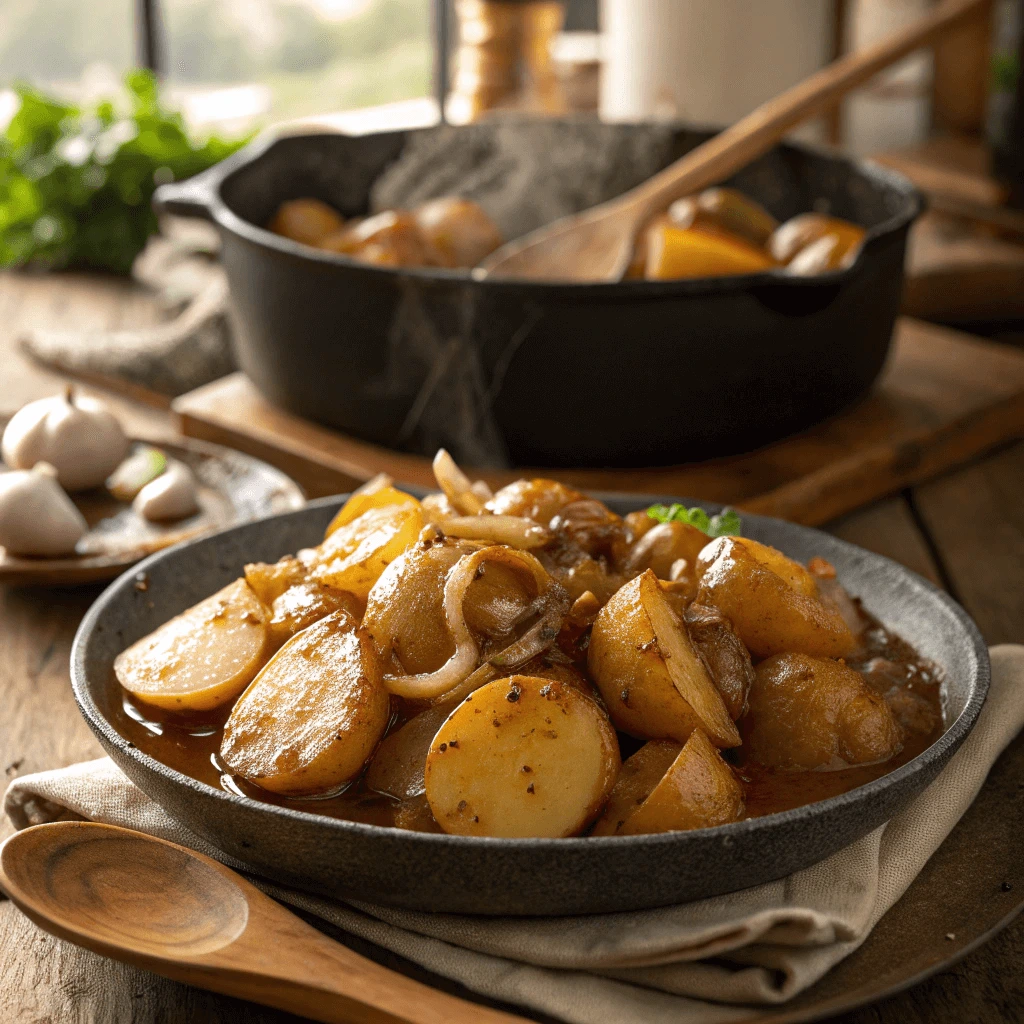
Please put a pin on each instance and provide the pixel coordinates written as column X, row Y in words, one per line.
column 698, row 962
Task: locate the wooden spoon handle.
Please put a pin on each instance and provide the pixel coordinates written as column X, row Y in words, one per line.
column 753, row 135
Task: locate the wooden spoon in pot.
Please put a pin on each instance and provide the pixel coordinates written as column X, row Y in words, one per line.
column 597, row 244
column 173, row 911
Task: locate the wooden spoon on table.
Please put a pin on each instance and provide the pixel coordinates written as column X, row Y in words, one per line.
column 597, row 244
column 173, row 911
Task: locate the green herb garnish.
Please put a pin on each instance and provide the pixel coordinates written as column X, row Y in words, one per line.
column 76, row 182
column 725, row 524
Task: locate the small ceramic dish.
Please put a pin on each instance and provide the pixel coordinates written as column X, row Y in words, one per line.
column 461, row 874
column 233, row 489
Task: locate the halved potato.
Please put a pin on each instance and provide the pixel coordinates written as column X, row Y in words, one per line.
column 651, row 677
column 309, row 721
column 375, row 493
column 305, row 603
column 398, row 765
column 202, row 658
column 353, row 557
column 699, row 790
column 405, row 609
column 663, row 545
column 521, row 757
column 538, row 499
column 811, row 714
column 640, row 774
column 769, row 604
column 796, row 576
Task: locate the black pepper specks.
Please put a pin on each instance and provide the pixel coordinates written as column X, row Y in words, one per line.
column 513, row 694
column 529, row 788
column 454, row 744
column 526, row 768
column 461, row 806
column 443, row 747
column 624, row 697
column 1006, row 887
column 545, row 691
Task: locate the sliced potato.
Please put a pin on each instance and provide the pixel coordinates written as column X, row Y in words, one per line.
column 398, row 765
column 663, row 546
column 310, row 720
column 796, row 576
column 811, row 714
column 520, row 757
column 640, row 774
column 202, row 658
column 651, row 677
column 769, row 613
column 699, row 790
column 305, row 603
column 405, row 609
column 270, row 580
column 375, row 493
column 353, row 557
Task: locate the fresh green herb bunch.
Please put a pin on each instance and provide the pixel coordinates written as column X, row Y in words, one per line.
column 725, row 524
column 76, row 184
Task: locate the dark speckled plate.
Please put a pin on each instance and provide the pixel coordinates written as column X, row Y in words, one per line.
column 519, row 876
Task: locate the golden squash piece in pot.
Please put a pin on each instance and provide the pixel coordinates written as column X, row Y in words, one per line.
column 699, row 790
column 521, row 757
column 375, row 493
column 202, row 658
column 674, row 253
column 815, row 713
column 310, row 720
column 649, row 673
column 770, row 603
column 355, row 555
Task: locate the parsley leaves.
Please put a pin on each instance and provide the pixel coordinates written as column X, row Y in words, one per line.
column 725, row 524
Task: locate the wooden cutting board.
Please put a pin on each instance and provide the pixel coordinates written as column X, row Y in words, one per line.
column 944, row 398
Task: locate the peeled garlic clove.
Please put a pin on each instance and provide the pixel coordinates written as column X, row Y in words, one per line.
column 36, row 515
column 135, row 472
column 75, row 434
column 172, row 495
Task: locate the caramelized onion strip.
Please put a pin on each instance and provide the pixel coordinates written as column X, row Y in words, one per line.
column 515, row 531
column 456, row 485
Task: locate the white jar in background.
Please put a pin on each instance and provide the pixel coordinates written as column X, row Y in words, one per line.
column 707, row 61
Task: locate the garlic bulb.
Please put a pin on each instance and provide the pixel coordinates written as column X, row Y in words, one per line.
column 36, row 515
column 172, row 495
column 75, row 434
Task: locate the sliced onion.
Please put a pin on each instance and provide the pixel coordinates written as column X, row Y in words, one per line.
column 482, row 491
column 460, row 666
column 456, row 485
column 516, row 531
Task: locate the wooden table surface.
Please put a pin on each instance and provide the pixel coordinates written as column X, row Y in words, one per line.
column 964, row 531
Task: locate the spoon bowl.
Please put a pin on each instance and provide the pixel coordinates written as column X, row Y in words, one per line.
column 178, row 913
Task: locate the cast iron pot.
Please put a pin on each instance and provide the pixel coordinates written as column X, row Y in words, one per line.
column 547, row 374
column 516, row 876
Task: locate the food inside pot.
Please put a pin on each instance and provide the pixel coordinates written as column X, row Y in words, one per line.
column 528, row 663
column 718, row 233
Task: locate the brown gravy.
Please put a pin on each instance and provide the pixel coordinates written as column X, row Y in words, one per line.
column 910, row 683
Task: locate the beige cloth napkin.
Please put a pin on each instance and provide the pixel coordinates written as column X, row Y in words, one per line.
column 682, row 964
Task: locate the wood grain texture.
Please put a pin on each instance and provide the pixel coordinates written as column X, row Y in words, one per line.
column 44, row 980
column 943, row 398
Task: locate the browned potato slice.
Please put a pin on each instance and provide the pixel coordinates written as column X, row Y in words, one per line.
column 302, row 605
column 415, row 815
column 537, row 499
column 309, row 721
column 270, row 580
column 391, row 238
column 398, row 765
column 796, row 576
column 458, row 230
column 521, row 757
column 768, row 612
column 202, row 658
column 699, row 790
column 375, row 493
column 498, row 599
column 722, row 651
column 405, row 609
column 814, row 713
column 354, row 556
column 650, row 675
column 306, row 220
column 640, row 774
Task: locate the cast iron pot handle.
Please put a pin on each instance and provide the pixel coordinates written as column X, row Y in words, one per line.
column 193, row 197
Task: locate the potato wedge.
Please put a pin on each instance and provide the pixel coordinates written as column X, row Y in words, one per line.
column 405, row 609
column 355, row 555
column 699, row 790
column 811, row 714
column 648, row 672
column 640, row 774
column 375, row 493
column 305, row 603
column 398, row 765
column 770, row 615
column 202, row 658
column 310, row 720
column 521, row 757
